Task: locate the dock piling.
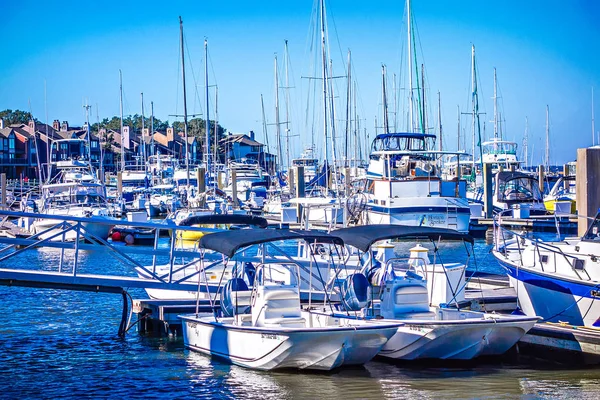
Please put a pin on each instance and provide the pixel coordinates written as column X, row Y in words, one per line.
column 488, row 206
column 587, row 186
column 234, row 193
column 3, row 191
column 200, row 179
column 541, row 177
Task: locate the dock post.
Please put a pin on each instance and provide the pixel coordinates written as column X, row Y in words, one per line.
column 291, row 182
column 200, row 179
column 587, row 186
column 541, row 177
column 488, row 206
column 120, row 184
column 300, row 190
column 565, row 169
column 347, row 179
column 220, row 180
column 3, row 191
column 234, row 194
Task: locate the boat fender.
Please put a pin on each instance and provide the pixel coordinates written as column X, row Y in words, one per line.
column 129, row 239
column 116, row 236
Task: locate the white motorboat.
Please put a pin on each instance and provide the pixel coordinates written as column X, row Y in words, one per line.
column 265, row 328
column 404, row 185
column 73, row 192
column 557, row 280
column 424, row 296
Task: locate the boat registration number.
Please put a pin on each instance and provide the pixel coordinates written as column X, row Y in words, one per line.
column 269, row 336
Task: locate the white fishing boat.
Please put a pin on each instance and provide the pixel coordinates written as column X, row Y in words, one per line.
column 404, row 185
column 424, row 297
column 266, row 328
column 557, row 280
column 73, row 192
column 163, row 199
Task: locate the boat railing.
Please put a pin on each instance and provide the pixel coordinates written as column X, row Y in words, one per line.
column 136, row 258
column 501, row 245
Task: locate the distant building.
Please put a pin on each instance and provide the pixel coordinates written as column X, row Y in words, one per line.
column 240, row 146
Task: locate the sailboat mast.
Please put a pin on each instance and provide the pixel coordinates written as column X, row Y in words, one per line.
column 207, row 120
column 152, row 128
column 287, row 106
column 121, row 109
column 386, row 123
column 440, row 119
column 216, row 133
column 526, row 142
column 474, row 95
column 101, row 174
column 48, row 155
column 593, row 127
column 348, row 105
column 277, row 125
column 264, row 123
column 143, row 141
column 547, row 161
column 495, row 106
column 324, row 78
column 458, row 146
column 395, row 91
column 185, row 122
column 410, row 85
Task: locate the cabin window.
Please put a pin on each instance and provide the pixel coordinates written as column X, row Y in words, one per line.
column 383, row 202
column 11, row 143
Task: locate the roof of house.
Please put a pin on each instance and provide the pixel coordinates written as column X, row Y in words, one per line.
column 241, row 139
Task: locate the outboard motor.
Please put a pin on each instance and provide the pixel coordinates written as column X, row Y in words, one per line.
column 354, row 292
column 250, row 271
column 231, row 296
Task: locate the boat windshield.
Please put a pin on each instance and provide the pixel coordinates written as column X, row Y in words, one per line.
column 500, row 148
column 277, row 274
column 398, row 143
column 519, row 189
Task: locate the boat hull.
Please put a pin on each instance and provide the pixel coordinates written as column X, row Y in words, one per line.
column 554, row 298
column 456, row 340
column 433, row 216
column 274, row 348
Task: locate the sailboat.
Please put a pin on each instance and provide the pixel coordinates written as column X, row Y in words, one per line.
column 404, row 183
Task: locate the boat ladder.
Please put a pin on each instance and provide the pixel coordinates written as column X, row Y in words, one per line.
column 451, row 215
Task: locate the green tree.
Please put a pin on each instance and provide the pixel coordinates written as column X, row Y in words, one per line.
column 11, row 117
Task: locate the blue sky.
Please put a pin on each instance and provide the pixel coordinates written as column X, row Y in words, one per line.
column 545, row 52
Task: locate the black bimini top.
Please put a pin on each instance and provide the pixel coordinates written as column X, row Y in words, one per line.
column 237, row 219
column 229, row 242
column 362, row 237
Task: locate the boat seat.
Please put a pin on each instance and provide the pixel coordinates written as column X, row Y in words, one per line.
column 276, row 306
column 402, row 296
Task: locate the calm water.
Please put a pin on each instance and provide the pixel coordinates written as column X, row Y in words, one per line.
column 64, row 344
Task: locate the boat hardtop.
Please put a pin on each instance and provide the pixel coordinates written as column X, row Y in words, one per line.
column 229, row 242
column 362, row 237
column 236, row 219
